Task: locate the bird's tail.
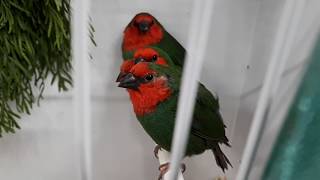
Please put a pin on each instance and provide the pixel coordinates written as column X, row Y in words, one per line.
column 221, row 158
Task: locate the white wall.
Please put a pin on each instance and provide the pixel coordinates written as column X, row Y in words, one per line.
column 242, row 35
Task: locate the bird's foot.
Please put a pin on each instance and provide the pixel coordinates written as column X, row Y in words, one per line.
column 163, row 168
column 156, row 150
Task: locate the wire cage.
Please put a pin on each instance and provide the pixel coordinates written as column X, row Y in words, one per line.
column 251, row 53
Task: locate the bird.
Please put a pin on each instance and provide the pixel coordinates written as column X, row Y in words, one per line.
column 146, row 40
column 153, row 89
column 144, row 30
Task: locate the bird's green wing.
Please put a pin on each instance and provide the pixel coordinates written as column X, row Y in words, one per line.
column 173, row 48
column 207, row 121
column 206, row 98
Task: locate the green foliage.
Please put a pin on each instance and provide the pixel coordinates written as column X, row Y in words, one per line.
column 34, row 43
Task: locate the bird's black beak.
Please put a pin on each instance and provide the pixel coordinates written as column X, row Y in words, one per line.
column 144, row 26
column 120, row 76
column 129, row 82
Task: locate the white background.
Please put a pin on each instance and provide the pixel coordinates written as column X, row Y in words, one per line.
column 241, row 39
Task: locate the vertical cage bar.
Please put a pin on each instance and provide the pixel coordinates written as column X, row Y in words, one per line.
column 164, row 157
column 279, row 56
column 81, row 96
column 197, row 42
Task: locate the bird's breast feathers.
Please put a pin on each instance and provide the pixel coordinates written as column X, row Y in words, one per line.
column 146, row 99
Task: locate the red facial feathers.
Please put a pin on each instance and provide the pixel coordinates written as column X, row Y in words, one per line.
column 148, row 54
column 150, row 94
column 145, row 53
column 126, row 66
column 134, row 39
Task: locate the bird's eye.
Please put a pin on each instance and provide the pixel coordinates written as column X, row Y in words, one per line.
column 148, row 77
column 154, row 58
column 138, row 60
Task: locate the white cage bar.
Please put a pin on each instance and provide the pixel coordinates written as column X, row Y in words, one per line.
column 279, row 56
column 197, row 43
column 81, row 97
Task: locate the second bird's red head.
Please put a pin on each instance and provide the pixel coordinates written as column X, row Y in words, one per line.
column 141, row 55
column 143, row 30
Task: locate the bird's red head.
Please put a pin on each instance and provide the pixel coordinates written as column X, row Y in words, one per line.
column 146, row 88
column 149, row 55
column 141, row 55
column 143, row 30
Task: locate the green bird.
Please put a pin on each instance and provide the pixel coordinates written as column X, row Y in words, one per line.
column 145, row 30
column 153, row 89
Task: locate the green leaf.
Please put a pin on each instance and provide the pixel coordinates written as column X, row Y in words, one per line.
column 20, row 8
column 35, row 43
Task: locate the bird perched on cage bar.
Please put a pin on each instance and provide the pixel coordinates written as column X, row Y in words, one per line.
column 153, row 87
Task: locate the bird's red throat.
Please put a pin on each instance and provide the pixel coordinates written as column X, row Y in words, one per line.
column 145, row 100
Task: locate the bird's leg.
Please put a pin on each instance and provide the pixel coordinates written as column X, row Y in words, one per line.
column 156, row 150
column 163, row 168
column 183, row 167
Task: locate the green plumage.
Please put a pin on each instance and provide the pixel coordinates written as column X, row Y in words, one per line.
column 173, row 48
column 207, row 130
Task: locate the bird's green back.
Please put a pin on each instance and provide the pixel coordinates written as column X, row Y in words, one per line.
column 171, row 46
column 207, row 121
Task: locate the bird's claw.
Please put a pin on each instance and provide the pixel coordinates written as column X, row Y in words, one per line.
column 163, row 168
column 183, row 168
column 156, row 150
